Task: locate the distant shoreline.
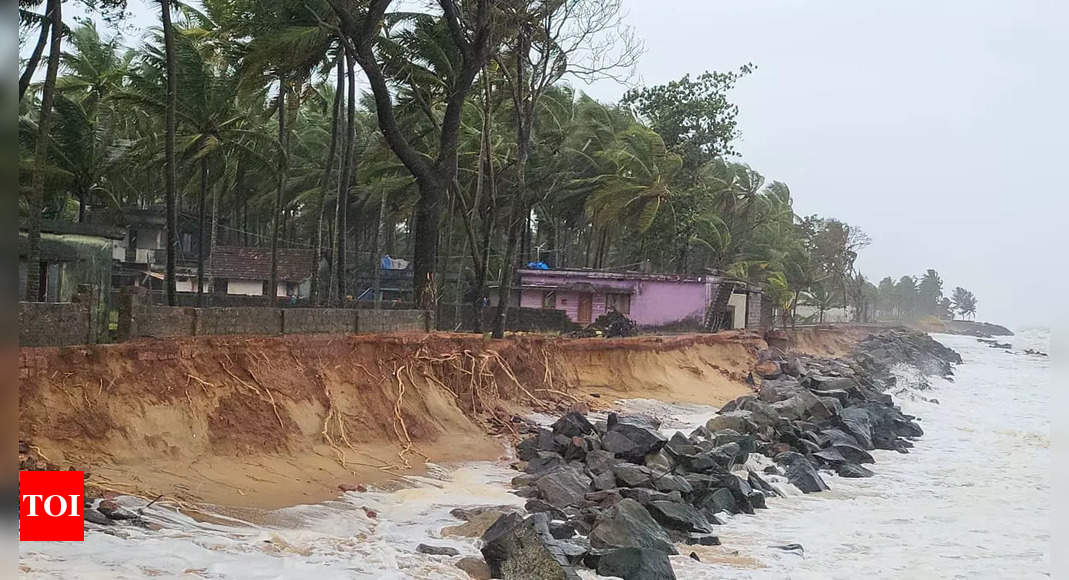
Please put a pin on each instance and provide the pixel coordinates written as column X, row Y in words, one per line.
column 962, row 327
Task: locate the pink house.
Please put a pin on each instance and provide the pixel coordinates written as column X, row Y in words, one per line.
column 651, row 300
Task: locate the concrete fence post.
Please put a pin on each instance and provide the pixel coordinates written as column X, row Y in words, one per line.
column 87, row 297
column 129, row 302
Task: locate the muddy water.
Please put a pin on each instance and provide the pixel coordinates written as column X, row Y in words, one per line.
column 969, row 502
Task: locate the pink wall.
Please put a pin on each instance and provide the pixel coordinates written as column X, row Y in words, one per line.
column 566, row 301
column 660, row 303
column 653, row 302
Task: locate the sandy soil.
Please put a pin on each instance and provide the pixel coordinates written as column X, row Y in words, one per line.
column 707, row 369
column 264, row 422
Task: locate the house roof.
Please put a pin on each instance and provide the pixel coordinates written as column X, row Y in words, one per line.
column 587, row 275
column 571, row 279
column 80, row 229
column 240, row 263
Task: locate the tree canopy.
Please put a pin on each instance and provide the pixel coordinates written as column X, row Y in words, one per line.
column 471, row 153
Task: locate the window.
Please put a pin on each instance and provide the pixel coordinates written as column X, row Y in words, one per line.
column 620, row 302
column 549, row 299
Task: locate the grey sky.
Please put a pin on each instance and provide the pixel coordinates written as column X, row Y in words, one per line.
column 936, row 127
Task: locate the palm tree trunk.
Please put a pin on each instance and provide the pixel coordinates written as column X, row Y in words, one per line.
column 487, row 210
column 200, row 229
column 317, row 253
column 341, row 211
column 83, row 199
column 35, row 56
column 44, row 124
column 244, row 196
column 515, row 221
column 171, row 189
column 213, row 234
column 376, row 258
column 272, row 289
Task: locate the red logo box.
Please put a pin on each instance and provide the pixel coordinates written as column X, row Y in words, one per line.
column 51, row 506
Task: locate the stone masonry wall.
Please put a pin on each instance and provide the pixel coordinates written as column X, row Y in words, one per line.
column 315, row 320
column 392, row 321
column 53, row 323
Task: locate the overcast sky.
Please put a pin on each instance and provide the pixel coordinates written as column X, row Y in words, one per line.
column 937, row 127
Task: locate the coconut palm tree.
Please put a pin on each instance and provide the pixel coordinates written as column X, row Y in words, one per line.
column 169, row 135
column 44, row 126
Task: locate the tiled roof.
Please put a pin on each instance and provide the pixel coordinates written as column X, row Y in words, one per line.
column 235, row 262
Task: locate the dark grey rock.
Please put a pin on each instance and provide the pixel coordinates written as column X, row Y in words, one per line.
column 830, row 456
column 699, row 539
column 535, row 506
column 759, row 483
column 604, row 480
column 632, row 441
column 679, row 516
column 437, row 550
column 636, row 564
column 738, row 421
column 544, row 461
column 794, row 367
column 600, row 461
column 527, row 449
column 573, row 425
column 644, row 496
column 837, row 437
column 114, row 511
column 527, row 491
column 670, row 482
column 564, row 486
column 717, row 500
column 561, row 530
column 852, row 453
column 822, row 383
column 801, row 472
column 606, row 497
column 857, row 422
column 631, row 475
column 95, row 517
column 628, row 525
column 853, row 470
column 522, row 549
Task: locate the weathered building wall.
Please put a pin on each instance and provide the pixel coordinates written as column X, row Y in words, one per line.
column 245, row 287
column 738, row 301
column 665, row 303
column 754, row 308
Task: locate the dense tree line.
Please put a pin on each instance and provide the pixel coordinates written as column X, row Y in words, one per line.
column 470, row 150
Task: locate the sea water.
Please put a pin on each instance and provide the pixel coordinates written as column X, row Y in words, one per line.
column 972, row 500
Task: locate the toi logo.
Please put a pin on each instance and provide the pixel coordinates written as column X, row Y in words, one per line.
column 50, row 506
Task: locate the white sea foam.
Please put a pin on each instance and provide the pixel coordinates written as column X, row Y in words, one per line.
column 970, row 501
